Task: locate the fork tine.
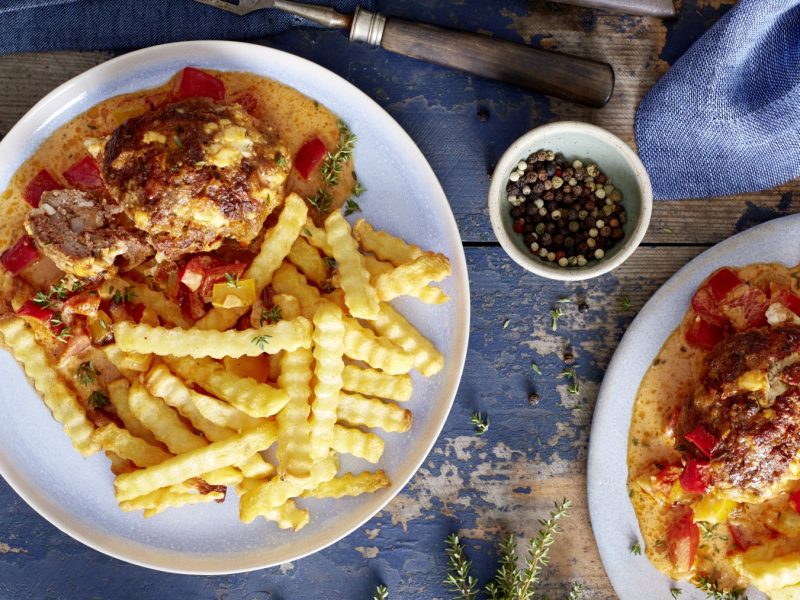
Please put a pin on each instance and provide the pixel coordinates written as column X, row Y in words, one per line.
column 238, row 7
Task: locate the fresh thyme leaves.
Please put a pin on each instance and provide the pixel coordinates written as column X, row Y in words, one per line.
column 555, row 315
column 177, row 141
column 86, row 373
column 508, row 576
column 42, row 299
column 625, row 303
column 535, row 368
column 270, row 315
column 506, row 323
column 381, row 593
column 77, row 286
column 676, row 592
column 636, row 549
column 458, row 577
column 97, row 399
column 563, row 301
column 712, row 590
column 56, row 292
column 574, row 386
column 481, row 424
column 331, row 262
column 576, row 591
column 332, row 167
column 232, row 281
column 709, row 531
column 350, row 207
column 280, row 160
column 261, row 340
column 307, row 232
column 122, row 296
column 358, row 189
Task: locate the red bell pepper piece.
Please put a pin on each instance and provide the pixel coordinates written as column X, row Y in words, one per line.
column 745, row 307
column 194, row 83
column 194, row 271
column 248, row 101
column 192, row 305
column 738, row 537
column 137, row 310
column 794, row 499
column 695, row 477
column 84, row 175
column 31, row 309
column 722, row 282
column 201, row 272
column 42, row 182
column 683, row 537
column 702, row 334
column 703, row 439
column 309, row 156
column 20, row 255
column 787, row 298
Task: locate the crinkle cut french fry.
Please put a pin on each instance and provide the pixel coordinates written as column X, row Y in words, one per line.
column 393, row 326
column 362, row 344
column 328, row 349
column 294, row 430
column 428, row 294
column 306, row 258
column 347, row 440
column 245, row 394
column 277, row 490
column 119, row 464
column 337, row 297
column 195, row 462
column 223, row 476
column 370, row 382
column 165, row 308
column 127, row 446
column 316, row 237
column 129, row 364
column 159, row 500
column 384, row 245
column 350, row 485
column 118, row 396
column 286, row 516
column 164, row 422
column 61, row 400
column 403, row 280
column 197, row 343
column 358, row 410
column 274, row 248
column 360, row 297
column 288, row 280
column 288, row 304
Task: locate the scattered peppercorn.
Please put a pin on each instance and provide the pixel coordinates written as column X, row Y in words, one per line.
column 533, row 399
column 583, row 307
column 569, row 357
column 566, row 212
column 483, row 115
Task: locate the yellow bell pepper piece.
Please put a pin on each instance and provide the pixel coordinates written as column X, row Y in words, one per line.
column 713, row 510
column 234, row 294
column 100, row 327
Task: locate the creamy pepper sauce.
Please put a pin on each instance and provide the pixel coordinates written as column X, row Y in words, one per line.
column 295, row 117
column 671, row 378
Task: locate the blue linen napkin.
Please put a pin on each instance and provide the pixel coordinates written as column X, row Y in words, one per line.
column 726, row 118
column 37, row 25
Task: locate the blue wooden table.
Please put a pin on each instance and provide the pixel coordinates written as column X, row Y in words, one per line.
column 533, row 453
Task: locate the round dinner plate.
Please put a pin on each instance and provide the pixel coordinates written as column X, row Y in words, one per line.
column 613, row 519
column 403, row 197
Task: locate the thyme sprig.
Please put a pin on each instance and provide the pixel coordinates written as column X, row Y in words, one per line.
column 270, row 315
column 381, row 593
column 232, row 281
column 555, row 315
column 350, row 207
column 480, row 422
column 86, row 373
column 122, row 296
column 332, row 167
column 97, row 399
column 574, row 386
column 710, row 587
column 458, row 577
column 262, row 340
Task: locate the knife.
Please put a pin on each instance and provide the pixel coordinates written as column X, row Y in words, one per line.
column 664, row 9
column 568, row 77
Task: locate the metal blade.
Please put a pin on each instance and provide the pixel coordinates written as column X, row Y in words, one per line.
column 239, row 7
column 664, row 9
column 327, row 17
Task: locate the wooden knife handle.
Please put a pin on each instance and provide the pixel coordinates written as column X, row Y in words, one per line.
column 568, row 77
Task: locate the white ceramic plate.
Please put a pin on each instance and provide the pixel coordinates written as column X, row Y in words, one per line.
column 403, row 197
column 613, row 519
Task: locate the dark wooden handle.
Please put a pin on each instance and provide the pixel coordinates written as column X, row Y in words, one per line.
column 568, row 77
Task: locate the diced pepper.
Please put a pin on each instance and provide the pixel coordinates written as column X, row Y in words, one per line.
column 42, row 182
column 694, row 478
column 84, row 175
column 20, row 255
column 219, row 274
column 236, row 294
column 794, row 499
column 702, row 334
column 137, row 310
column 194, row 83
column 703, row 439
column 192, row 305
column 194, row 271
column 683, row 537
column 722, row 282
column 787, row 298
column 83, row 303
column 738, row 537
column 33, row 310
column 309, row 156
column 150, row 317
column 712, row 509
column 100, row 327
column 745, row 307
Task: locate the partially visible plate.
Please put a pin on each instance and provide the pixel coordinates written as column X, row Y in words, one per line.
column 613, row 519
column 403, row 197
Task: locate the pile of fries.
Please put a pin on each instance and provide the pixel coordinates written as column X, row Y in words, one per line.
column 195, row 424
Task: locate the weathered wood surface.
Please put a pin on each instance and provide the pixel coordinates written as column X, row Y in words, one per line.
column 531, row 455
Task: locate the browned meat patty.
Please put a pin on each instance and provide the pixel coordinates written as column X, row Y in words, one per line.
column 750, row 402
column 84, row 235
column 193, row 173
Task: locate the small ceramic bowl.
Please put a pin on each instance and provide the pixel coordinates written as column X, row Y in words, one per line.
column 587, row 143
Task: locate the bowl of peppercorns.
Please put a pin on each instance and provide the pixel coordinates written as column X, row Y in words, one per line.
column 570, row 201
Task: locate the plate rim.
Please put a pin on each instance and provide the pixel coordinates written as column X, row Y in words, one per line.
column 457, row 357
column 608, row 404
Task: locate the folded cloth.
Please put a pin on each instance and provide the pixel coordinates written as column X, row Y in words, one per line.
column 36, row 25
column 726, row 118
